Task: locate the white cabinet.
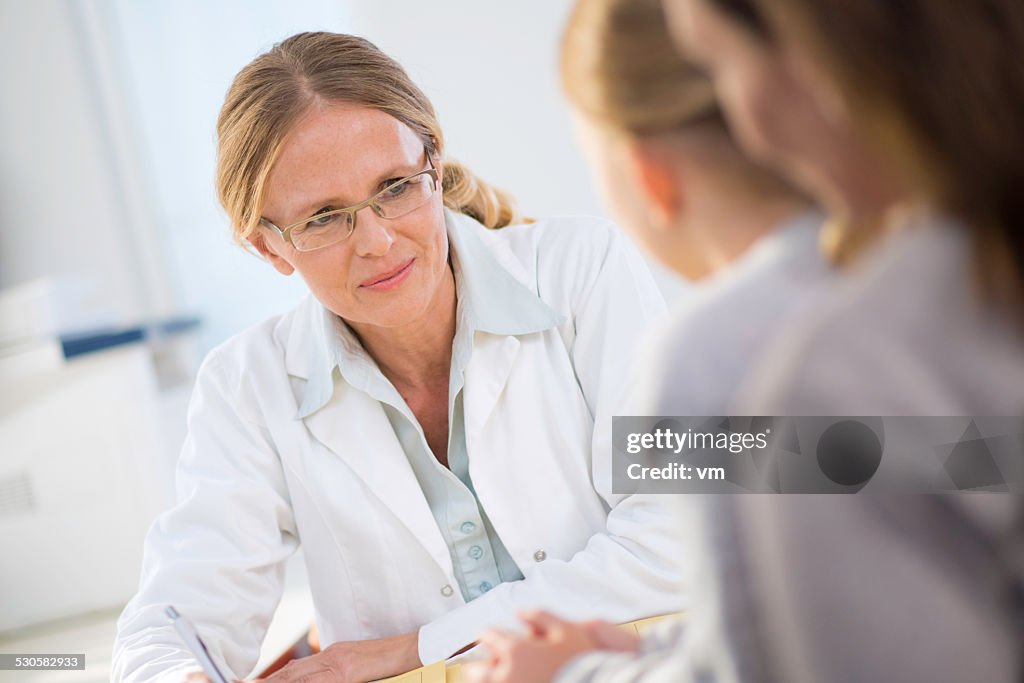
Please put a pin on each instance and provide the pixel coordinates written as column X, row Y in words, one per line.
column 86, row 463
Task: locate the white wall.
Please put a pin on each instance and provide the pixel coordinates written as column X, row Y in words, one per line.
column 61, row 193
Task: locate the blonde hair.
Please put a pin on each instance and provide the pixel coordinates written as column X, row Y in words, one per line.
column 621, row 69
column 272, row 92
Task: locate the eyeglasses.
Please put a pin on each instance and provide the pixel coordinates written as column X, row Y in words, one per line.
column 330, row 227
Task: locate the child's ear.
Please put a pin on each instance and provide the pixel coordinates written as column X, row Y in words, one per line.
column 659, row 182
column 268, row 252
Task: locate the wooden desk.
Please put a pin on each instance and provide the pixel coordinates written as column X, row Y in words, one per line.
column 432, row 673
column 439, row 673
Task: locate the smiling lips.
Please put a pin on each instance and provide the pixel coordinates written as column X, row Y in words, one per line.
column 389, row 280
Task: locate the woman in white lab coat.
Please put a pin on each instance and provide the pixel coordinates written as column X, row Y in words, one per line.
column 433, row 422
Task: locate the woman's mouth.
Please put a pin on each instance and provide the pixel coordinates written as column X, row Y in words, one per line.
column 390, row 279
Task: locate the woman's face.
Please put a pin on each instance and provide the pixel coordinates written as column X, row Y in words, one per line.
column 389, row 272
column 779, row 113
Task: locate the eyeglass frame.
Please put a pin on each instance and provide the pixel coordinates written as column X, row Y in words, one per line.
column 286, row 233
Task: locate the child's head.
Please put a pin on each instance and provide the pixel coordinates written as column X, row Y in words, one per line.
column 658, row 145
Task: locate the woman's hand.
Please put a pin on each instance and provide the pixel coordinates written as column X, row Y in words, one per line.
column 549, row 646
column 354, row 662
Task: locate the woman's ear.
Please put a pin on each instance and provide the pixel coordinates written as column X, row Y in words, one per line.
column 659, row 183
column 259, row 243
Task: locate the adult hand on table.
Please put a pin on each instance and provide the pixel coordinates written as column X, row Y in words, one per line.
column 550, row 644
column 353, row 662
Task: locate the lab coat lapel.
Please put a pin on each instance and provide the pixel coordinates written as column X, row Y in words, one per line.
column 354, row 427
column 487, row 374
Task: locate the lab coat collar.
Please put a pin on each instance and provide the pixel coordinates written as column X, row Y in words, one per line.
column 499, row 300
column 493, row 290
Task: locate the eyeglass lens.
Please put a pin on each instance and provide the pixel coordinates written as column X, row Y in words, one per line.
column 393, row 202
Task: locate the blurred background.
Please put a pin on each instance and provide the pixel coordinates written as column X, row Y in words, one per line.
column 117, row 270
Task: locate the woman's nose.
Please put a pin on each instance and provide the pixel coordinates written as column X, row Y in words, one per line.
column 372, row 235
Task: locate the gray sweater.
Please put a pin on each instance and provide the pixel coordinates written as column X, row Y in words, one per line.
column 699, row 356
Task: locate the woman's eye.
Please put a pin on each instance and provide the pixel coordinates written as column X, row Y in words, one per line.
column 321, row 221
column 396, row 190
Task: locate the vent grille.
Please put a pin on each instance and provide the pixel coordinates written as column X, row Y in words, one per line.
column 16, row 494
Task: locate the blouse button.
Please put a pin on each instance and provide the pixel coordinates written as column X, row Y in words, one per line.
column 540, row 556
column 447, row 591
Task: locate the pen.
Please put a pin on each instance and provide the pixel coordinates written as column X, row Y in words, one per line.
column 195, row 644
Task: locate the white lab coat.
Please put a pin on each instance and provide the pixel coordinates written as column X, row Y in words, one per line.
column 254, row 479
